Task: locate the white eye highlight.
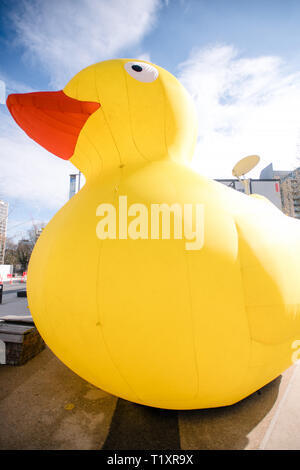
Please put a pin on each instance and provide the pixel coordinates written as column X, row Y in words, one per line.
column 141, row 71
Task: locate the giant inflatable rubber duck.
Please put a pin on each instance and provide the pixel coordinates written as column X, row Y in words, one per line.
column 151, row 319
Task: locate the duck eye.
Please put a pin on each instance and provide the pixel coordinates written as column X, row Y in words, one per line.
column 141, row 71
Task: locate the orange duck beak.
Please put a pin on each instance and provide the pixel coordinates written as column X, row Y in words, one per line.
column 51, row 118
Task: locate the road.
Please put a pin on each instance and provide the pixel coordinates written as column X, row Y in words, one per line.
column 11, row 304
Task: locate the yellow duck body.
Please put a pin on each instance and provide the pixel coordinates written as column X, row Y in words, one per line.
column 146, row 319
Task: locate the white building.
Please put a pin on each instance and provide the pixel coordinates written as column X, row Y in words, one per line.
column 270, row 188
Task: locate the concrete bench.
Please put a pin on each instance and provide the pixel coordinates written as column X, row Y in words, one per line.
column 19, row 340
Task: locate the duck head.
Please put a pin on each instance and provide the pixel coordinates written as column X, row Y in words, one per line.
column 110, row 115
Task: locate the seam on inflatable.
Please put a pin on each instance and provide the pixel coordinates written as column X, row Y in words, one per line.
column 245, row 308
column 92, row 172
column 113, row 139
column 100, row 323
column 192, row 325
column 106, row 121
column 242, row 278
column 248, row 307
column 290, row 338
column 92, row 164
column 165, row 120
column 85, row 134
column 68, row 128
column 78, row 146
column 46, row 287
column 269, row 305
column 130, row 122
column 77, row 88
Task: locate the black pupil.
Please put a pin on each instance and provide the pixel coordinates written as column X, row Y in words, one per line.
column 137, row 68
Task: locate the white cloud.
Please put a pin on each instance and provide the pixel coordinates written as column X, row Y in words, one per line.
column 14, row 86
column 65, row 36
column 62, row 36
column 245, row 106
column 144, row 56
column 29, row 173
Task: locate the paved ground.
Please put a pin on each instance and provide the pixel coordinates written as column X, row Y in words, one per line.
column 11, row 304
column 44, row 405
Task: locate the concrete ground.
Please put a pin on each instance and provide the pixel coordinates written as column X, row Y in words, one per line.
column 44, row 405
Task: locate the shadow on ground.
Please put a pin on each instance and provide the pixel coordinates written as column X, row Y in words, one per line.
column 44, row 405
column 229, row 427
column 140, row 427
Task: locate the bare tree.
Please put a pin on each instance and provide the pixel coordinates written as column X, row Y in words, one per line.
column 19, row 253
column 10, row 256
column 24, row 250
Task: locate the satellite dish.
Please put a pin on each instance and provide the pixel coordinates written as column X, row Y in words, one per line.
column 245, row 165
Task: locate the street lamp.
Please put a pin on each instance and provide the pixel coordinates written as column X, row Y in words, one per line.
column 73, row 179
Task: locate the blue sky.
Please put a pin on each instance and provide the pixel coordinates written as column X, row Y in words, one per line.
column 239, row 60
